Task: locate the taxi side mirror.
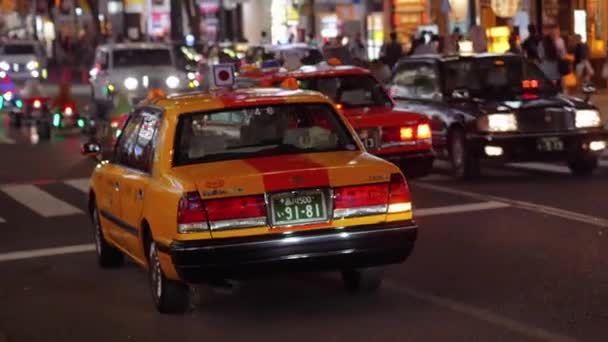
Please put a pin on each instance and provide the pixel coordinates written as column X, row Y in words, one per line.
column 90, row 149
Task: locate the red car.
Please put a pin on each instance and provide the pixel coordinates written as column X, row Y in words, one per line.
column 399, row 136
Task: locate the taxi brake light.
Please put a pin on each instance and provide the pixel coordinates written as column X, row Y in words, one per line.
column 68, row 110
column 236, row 212
column 191, row 215
column 423, row 131
column 360, row 200
column 399, row 195
column 37, row 103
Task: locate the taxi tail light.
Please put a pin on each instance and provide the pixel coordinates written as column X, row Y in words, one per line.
column 236, row 212
column 360, row 200
column 397, row 134
column 191, row 216
column 399, row 200
column 37, row 103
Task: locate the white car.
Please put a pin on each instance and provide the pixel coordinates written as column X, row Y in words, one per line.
column 22, row 60
column 134, row 69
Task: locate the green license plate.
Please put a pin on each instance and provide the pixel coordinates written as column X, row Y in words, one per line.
column 300, row 207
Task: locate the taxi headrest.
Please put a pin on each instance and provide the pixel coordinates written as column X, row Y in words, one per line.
column 334, row 61
column 290, row 83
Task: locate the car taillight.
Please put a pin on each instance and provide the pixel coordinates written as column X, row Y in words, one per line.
column 68, row 111
column 360, row 200
column 191, row 216
column 423, row 131
column 399, row 195
column 37, row 103
column 237, row 212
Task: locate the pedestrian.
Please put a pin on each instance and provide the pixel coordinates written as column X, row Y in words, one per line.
column 422, row 47
column 530, row 44
column 292, row 38
column 514, row 44
column 549, row 60
column 478, row 36
column 312, row 41
column 454, row 39
column 392, row 51
column 264, row 39
column 381, row 71
column 358, row 49
column 582, row 66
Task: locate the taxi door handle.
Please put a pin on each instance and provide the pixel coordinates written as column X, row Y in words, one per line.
column 116, row 186
column 139, row 194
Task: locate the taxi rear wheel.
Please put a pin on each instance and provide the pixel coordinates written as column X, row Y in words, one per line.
column 464, row 165
column 583, row 166
column 364, row 280
column 169, row 296
column 107, row 255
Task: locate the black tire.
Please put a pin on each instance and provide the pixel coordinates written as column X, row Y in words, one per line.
column 364, row 280
column 464, row 164
column 107, row 255
column 169, row 296
column 583, row 167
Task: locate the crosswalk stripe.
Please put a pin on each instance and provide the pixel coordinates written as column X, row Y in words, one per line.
column 81, row 184
column 39, row 201
column 6, row 140
column 462, row 208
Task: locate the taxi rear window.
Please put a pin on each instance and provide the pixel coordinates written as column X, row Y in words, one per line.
column 260, row 131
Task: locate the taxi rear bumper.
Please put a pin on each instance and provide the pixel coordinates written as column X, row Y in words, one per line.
column 326, row 249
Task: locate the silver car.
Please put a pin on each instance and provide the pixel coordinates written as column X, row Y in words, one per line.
column 134, row 69
column 22, row 60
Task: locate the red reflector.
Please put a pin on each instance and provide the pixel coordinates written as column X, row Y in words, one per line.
column 236, row 208
column 360, row 196
column 423, row 131
column 190, row 209
column 399, row 192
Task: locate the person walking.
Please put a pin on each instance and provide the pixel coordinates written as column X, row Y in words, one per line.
column 530, row 44
column 358, row 49
column 582, row 66
column 549, row 60
column 392, row 51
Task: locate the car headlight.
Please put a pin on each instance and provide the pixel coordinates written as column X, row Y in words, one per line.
column 172, row 82
column 32, row 65
column 500, row 122
column 5, row 66
column 587, row 118
column 131, row 83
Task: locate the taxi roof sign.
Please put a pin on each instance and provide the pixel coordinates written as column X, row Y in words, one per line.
column 223, row 75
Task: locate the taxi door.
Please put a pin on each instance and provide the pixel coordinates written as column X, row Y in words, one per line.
column 136, row 178
column 108, row 201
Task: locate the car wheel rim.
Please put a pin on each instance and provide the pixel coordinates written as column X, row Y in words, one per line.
column 156, row 274
column 97, row 232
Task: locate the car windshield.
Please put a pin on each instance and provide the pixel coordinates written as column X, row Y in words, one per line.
column 350, row 91
column 142, row 57
column 19, row 49
column 496, row 78
column 260, row 131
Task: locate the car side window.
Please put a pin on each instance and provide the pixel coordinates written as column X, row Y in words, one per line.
column 457, row 75
column 123, row 153
column 146, row 141
column 416, row 81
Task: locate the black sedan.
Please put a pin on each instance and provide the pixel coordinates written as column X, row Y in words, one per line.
column 498, row 108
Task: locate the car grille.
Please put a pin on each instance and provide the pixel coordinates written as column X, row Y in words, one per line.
column 545, row 120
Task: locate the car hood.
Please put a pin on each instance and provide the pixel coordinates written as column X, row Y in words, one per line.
column 285, row 172
column 363, row 117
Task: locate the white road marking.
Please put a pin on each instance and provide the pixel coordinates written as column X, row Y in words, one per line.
column 39, row 201
column 37, row 253
column 482, row 315
column 81, row 184
column 436, row 177
column 462, row 208
column 555, row 168
column 543, row 209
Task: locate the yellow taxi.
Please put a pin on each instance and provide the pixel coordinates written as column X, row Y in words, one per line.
column 232, row 183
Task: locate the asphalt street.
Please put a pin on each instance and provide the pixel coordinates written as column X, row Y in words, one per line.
column 518, row 255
